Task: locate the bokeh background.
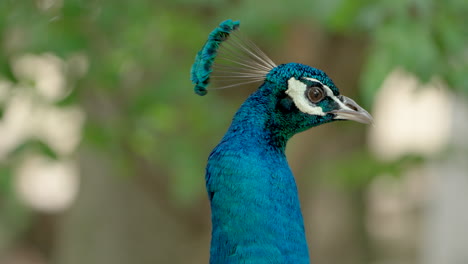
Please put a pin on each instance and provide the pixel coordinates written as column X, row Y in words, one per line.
column 103, row 142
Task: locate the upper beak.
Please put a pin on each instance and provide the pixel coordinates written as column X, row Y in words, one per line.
column 350, row 110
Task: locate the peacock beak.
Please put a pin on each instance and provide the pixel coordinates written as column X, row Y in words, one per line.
column 350, row 110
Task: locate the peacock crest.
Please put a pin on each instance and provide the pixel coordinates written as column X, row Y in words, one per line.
column 231, row 58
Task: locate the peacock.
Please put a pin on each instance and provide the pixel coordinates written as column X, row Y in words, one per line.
column 255, row 210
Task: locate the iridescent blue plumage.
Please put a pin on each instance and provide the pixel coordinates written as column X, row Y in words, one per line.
column 201, row 69
column 256, row 214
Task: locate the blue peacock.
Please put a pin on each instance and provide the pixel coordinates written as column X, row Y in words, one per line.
column 255, row 209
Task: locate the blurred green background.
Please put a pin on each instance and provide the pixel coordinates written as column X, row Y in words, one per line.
column 103, row 142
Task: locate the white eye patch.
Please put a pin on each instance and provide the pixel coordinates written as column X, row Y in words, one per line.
column 296, row 90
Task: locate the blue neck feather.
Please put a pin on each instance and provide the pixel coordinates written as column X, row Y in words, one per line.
column 256, row 213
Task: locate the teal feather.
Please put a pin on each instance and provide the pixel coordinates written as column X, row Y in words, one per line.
column 202, row 67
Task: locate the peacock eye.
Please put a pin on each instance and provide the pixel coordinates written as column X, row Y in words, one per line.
column 315, row 94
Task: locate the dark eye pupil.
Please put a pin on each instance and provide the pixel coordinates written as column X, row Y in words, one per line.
column 315, row 94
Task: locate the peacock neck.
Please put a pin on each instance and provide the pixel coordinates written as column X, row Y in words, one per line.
column 256, row 214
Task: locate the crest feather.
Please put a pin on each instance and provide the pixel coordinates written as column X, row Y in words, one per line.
column 229, row 58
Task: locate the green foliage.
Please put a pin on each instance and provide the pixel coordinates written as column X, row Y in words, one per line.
column 14, row 216
column 360, row 167
column 427, row 38
column 33, row 145
column 5, row 179
column 137, row 92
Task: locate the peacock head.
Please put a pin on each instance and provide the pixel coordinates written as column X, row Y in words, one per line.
column 300, row 96
column 308, row 97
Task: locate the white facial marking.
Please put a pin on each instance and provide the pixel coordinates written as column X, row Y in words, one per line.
column 296, row 90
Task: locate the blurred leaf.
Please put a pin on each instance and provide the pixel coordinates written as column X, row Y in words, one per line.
column 359, row 168
column 6, row 176
column 70, row 99
column 34, row 145
column 6, row 71
column 98, row 136
column 343, row 17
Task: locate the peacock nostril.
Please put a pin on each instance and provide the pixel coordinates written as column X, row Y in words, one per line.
column 352, row 107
